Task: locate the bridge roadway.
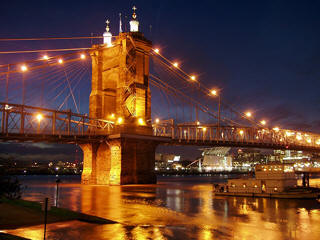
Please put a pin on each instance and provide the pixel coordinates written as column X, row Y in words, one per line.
column 27, row 123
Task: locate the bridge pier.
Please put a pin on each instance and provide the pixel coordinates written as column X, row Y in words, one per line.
column 121, row 160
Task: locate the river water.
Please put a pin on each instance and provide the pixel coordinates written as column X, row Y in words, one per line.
column 174, row 208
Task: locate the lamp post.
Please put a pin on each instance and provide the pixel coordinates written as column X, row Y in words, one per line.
column 23, row 68
column 57, row 192
column 39, row 118
column 215, row 93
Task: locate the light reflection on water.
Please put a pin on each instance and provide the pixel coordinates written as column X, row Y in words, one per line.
column 175, row 208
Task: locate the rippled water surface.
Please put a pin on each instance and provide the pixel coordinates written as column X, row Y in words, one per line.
column 175, row 208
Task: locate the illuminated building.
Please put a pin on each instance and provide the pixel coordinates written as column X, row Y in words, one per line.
column 217, row 159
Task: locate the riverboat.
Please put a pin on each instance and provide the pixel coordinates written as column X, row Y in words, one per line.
column 271, row 181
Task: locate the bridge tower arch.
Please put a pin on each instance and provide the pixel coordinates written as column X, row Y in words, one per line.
column 120, row 93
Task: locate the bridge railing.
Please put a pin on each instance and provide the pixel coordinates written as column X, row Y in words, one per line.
column 22, row 119
column 194, row 133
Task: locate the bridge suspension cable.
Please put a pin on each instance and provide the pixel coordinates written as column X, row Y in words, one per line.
column 180, row 73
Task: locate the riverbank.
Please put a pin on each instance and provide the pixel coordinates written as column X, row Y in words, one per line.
column 21, row 213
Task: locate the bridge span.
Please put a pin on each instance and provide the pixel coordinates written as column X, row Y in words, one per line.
column 23, row 123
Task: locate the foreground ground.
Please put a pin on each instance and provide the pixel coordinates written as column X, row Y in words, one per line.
column 21, row 213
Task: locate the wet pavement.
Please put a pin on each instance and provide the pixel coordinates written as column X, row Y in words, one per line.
column 175, row 208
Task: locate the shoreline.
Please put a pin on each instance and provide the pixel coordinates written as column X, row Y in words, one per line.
column 23, row 213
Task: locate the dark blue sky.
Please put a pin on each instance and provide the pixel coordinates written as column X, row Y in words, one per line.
column 264, row 55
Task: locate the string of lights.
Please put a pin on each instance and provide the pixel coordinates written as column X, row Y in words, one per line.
column 174, row 66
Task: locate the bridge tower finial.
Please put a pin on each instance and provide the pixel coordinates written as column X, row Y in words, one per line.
column 107, row 35
column 134, row 23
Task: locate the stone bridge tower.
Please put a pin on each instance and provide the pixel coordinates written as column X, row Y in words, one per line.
column 121, row 93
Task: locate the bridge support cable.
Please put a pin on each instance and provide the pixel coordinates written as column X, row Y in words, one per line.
column 81, row 72
column 71, row 91
column 186, row 77
column 161, row 84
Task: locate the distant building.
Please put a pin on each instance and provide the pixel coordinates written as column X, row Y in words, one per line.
column 167, row 161
column 217, row 159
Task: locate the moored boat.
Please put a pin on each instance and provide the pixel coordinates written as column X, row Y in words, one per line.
column 272, row 181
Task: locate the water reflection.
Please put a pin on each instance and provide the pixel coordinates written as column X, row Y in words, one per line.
column 174, row 210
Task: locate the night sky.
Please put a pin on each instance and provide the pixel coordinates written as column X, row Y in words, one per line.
column 263, row 55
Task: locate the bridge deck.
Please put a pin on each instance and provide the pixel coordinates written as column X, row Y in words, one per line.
column 27, row 123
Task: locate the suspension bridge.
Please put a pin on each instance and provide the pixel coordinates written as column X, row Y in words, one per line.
column 49, row 99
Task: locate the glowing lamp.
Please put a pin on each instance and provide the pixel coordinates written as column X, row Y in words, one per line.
column 175, row 64
column 276, row 129
column 214, row 92
column 156, row 50
column 157, row 120
column 193, row 78
column 24, row 68
column 60, row 61
column 263, row 122
column 45, row 57
column 140, row 121
column 248, row 114
column 82, row 56
column 39, row 117
column 120, row 120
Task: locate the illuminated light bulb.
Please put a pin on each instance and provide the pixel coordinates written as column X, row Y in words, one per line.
column 263, row 122
column 39, row 117
column 175, row 64
column 198, row 123
column 308, row 140
column 193, row 78
column 157, row 120
column 140, row 121
column 248, row 114
column 204, row 129
column 318, row 142
column 214, row 92
column 82, row 56
column 112, row 116
column 60, row 61
column 120, row 120
column 276, row 129
column 241, row 132
column 45, row 57
column 156, row 50
column 24, row 68
column 299, row 137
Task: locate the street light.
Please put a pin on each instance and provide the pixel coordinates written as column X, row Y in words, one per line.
column 39, row 117
column 24, row 68
column 248, row 114
column 82, row 56
column 193, row 78
column 140, row 121
column 215, row 93
column 276, row 129
column 263, row 122
column 175, row 64
column 156, row 50
column 157, row 120
column 120, row 120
